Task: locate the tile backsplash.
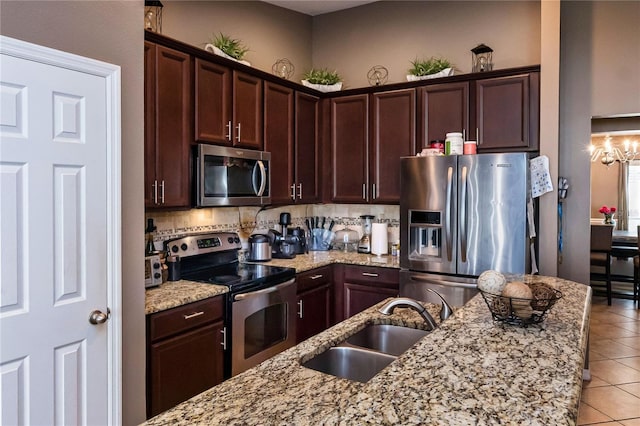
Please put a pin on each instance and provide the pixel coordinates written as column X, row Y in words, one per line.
column 248, row 220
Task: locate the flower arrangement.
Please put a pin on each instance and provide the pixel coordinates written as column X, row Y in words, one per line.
column 608, row 214
column 322, row 79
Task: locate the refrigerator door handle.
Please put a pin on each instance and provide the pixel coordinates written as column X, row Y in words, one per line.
column 463, row 216
column 448, row 211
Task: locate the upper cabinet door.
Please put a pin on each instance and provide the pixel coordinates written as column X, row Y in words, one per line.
column 150, row 184
column 507, row 113
column 278, row 140
column 393, row 136
column 349, row 146
column 247, row 111
column 307, row 149
column 444, row 109
column 213, row 103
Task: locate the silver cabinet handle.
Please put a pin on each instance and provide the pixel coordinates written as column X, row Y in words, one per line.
column 155, row 191
column 193, row 315
column 224, row 338
column 315, row 277
column 238, row 135
column 464, row 134
column 374, row 194
column 300, row 309
column 369, row 274
column 162, row 192
column 364, row 191
column 293, row 191
column 300, row 191
column 229, row 129
column 99, row 317
column 477, row 136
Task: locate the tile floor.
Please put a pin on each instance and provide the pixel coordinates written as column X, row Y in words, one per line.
column 612, row 397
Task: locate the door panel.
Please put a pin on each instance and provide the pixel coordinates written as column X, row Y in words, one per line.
column 278, row 139
column 60, row 150
column 213, row 103
column 247, row 111
column 445, row 109
column 307, row 152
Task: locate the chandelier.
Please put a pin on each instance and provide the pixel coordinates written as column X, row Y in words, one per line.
column 608, row 152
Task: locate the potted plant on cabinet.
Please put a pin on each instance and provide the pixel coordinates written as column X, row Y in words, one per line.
column 228, row 47
column 322, row 80
column 429, row 68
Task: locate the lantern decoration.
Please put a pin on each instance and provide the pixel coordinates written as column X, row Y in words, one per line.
column 481, row 58
column 153, row 15
column 283, row 68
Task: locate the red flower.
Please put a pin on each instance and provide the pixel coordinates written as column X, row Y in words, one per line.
column 605, row 210
column 613, row 209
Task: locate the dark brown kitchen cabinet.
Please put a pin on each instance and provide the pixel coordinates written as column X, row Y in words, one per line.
column 349, row 148
column 363, row 286
column 228, row 106
column 315, row 302
column 307, row 149
column 184, row 353
column 168, row 128
column 393, row 135
column 507, row 113
column 444, row 108
column 278, row 140
column 213, row 103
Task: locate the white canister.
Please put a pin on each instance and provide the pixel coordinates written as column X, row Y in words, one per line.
column 453, row 144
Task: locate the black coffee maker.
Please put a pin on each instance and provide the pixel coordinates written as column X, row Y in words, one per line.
column 283, row 246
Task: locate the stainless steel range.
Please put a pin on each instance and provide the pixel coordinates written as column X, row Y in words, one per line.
column 260, row 311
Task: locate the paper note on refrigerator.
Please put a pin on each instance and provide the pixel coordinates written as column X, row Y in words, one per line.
column 540, row 176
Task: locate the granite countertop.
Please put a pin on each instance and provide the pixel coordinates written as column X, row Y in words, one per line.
column 470, row 370
column 172, row 294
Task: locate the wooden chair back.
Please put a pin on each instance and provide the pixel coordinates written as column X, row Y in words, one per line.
column 601, row 237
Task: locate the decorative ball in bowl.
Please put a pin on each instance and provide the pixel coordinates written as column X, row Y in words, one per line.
column 516, row 302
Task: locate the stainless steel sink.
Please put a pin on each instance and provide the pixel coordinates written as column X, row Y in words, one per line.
column 366, row 353
column 390, row 339
column 350, row 363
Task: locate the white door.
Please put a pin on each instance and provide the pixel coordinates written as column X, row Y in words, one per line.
column 59, row 241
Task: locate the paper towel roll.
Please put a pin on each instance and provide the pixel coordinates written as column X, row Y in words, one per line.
column 379, row 239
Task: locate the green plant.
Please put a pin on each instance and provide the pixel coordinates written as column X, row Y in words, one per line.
column 428, row 66
column 230, row 46
column 322, row 76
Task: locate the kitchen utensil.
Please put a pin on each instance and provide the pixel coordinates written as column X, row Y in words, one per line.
column 323, row 221
column 331, row 225
column 259, row 248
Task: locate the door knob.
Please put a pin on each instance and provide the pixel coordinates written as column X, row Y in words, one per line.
column 99, row 317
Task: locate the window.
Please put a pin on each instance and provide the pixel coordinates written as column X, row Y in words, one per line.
column 634, row 193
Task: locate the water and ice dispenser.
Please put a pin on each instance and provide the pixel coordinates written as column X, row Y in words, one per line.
column 425, row 235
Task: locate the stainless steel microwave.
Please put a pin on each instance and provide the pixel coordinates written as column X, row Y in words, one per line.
column 232, row 177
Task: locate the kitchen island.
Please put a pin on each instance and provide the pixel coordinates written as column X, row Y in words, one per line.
column 470, row 370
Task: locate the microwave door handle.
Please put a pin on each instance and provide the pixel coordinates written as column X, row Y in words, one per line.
column 263, row 178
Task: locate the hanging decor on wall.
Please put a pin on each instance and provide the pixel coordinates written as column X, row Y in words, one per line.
column 481, row 58
column 283, row 68
column 377, row 75
column 153, row 15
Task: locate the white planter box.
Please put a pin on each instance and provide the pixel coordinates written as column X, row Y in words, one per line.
column 211, row 48
column 323, row 87
column 444, row 73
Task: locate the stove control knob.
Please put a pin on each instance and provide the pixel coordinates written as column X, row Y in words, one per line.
column 174, row 249
column 236, row 240
column 183, row 246
column 230, row 239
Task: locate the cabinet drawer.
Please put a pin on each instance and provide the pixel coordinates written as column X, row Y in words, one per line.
column 185, row 317
column 371, row 275
column 314, row 278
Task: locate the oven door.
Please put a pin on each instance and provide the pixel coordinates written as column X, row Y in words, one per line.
column 263, row 324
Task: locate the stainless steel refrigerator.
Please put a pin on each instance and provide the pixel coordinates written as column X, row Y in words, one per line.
column 459, row 216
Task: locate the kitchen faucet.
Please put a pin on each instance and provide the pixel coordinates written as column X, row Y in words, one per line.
column 405, row 302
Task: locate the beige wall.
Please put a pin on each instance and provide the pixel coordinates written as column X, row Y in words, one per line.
column 615, row 85
column 110, row 31
column 393, row 33
column 270, row 32
column 604, row 187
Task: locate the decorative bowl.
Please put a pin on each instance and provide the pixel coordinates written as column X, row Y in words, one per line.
column 522, row 312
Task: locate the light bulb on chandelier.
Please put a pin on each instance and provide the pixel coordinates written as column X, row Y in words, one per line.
column 608, row 153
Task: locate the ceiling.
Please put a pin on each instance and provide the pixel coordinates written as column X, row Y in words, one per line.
column 318, row 7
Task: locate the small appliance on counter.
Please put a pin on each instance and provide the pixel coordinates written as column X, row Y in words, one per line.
column 346, row 240
column 301, row 244
column 259, row 248
column 283, row 246
column 152, row 271
column 365, row 242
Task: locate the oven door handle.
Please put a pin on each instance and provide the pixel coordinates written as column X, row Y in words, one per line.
column 268, row 290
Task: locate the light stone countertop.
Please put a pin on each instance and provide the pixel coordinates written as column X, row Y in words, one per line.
column 172, row 294
column 469, row 371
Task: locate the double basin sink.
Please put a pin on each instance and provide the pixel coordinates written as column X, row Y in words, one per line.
column 366, row 353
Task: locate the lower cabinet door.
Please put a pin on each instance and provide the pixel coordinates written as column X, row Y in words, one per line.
column 183, row 366
column 358, row 297
column 314, row 312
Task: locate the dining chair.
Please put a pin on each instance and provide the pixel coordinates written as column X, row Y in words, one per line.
column 636, row 271
column 601, row 236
